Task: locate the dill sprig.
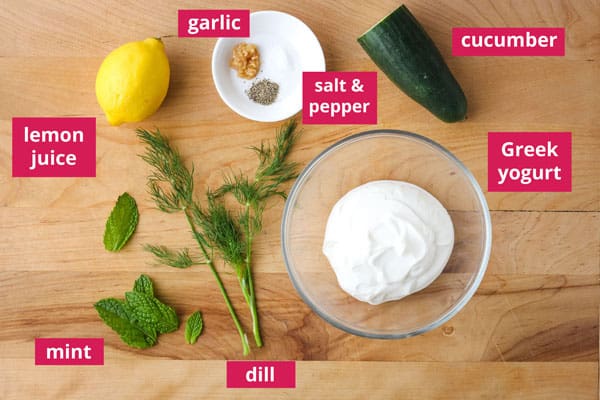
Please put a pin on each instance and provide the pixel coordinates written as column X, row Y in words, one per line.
column 172, row 258
column 215, row 227
column 222, row 232
column 272, row 171
column 171, row 187
column 252, row 194
column 273, row 164
column 171, row 184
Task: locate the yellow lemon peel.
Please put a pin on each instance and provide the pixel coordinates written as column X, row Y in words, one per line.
column 132, row 81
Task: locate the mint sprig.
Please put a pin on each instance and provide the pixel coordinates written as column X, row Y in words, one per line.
column 141, row 317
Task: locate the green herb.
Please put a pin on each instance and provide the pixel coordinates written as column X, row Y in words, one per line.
column 273, row 170
column 176, row 259
column 193, row 327
column 121, row 223
column 152, row 312
column 215, row 227
column 171, row 187
column 118, row 316
column 143, row 284
column 141, row 317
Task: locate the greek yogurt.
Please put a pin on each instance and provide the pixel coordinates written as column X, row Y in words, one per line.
column 387, row 239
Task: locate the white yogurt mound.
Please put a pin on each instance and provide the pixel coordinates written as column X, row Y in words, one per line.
column 387, row 239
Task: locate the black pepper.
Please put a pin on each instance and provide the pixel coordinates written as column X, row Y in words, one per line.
column 263, row 92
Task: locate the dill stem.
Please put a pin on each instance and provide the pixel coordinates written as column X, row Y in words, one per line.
column 236, row 321
column 252, row 302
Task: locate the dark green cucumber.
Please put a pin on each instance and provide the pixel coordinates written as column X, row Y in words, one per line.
column 401, row 48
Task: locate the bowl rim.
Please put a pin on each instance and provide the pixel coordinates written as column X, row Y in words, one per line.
column 459, row 305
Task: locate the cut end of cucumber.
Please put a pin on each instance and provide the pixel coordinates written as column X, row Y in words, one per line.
column 402, row 8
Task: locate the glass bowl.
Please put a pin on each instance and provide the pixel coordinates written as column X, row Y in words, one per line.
column 385, row 155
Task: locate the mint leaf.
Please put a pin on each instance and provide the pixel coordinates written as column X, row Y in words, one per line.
column 170, row 321
column 121, row 223
column 149, row 311
column 143, row 284
column 141, row 317
column 193, row 327
column 117, row 315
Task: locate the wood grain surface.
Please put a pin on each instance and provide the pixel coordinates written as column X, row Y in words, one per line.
column 531, row 330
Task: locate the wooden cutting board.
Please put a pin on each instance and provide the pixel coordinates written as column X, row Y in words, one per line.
column 530, row 332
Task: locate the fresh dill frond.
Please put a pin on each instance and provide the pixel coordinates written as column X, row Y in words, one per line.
column 250, row 219
column 171, row 184
column 239, row 185
column 272, row 157
column 172, row 258
column 273, row 170
column 171, row 187
column 214, row 226
column 252, row 194
column 222, row 232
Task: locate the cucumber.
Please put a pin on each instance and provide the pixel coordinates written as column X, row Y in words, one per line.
column 401, row 48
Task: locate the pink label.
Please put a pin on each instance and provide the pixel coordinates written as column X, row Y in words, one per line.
column 214, row 23
column 339, row 98
column 69, row 351
column 261, row 374
column 508, row 41
column 529, row 161
column 53, row 147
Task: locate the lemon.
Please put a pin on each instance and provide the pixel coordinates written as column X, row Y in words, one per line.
column 132, row 81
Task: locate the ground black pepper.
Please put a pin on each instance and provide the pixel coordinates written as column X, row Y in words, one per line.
column 263, row 92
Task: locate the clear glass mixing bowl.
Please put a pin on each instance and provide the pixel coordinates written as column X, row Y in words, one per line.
column 381, row 155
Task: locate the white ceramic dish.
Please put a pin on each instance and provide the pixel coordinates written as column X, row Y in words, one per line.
column 287, row 48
